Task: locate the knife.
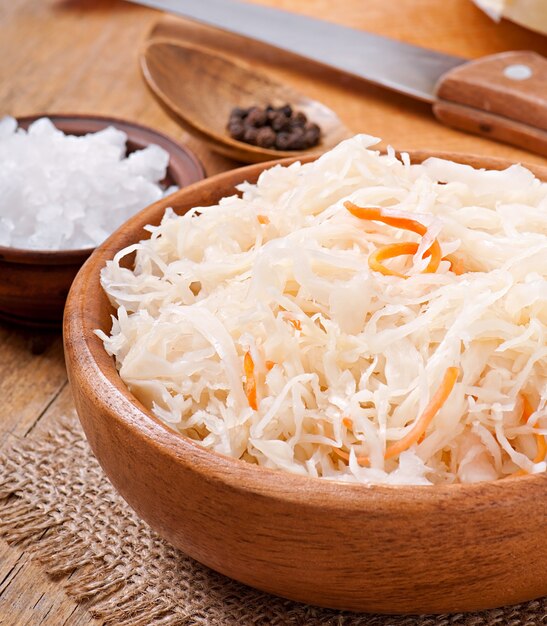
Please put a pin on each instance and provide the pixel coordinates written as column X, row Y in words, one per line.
column 501, row 96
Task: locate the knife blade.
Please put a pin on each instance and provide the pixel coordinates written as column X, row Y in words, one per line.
column 368, row 56
column 502, row 96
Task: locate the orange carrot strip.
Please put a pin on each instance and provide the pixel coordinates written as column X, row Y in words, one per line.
column 527, row 410
column 456, row 266
column 362, row 460
column 416, row 433
column 541, row 448
column 269, row 365
column 389, row 252
column 342, row 454
column 421, row 424
column 295, row 323
column 436, row 257
column 399, row 249
column 250, row 381
column 375, row 214
column 263, row 219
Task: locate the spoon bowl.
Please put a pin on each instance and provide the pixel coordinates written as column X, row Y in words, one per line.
column 201, row 87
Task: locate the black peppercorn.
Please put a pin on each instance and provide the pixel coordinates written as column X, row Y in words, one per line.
column 286, row 110
column 237, row 129
column 280, row 122
column 256, row 117
column 250, row 135
column 265, row 137
column 238, row 113
column 300, row 118
column 280, row 128
column 283, row 141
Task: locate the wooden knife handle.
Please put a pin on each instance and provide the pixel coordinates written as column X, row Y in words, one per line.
column 503, row 96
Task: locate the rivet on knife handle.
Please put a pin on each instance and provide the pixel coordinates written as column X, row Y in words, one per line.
column 503, row 96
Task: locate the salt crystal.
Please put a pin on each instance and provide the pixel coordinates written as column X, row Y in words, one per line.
column 150, row 162
column 43, row 127
column 60, row 191
column 8, row 125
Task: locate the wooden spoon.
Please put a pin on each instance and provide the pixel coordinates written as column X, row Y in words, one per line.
column 201, row 87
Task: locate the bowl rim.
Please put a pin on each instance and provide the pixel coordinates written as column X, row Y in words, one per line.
column 85, row 354
column 177, row 151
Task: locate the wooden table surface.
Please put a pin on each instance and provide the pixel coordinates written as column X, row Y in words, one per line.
column 82, row 56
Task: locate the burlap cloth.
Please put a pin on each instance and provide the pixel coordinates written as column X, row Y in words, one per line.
column 128, row 575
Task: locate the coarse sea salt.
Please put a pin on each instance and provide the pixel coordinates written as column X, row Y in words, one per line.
column 64, row 192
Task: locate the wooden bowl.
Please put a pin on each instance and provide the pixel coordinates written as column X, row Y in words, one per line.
column 201, row 87
column 35, row 283
column 389, row 549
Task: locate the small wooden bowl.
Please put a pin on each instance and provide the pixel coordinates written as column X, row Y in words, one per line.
column 35, row 283
column 201, row 87
column 389, row 549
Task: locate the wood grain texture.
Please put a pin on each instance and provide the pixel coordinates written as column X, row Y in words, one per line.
column 201, row 88
column 34, row 390
column 302, row 538
column 482, row 123
column 82, row 56
column 481, row 97
column 482, row 84
column 38, row 604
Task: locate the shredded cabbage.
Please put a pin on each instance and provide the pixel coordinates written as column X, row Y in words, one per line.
column 345, row 358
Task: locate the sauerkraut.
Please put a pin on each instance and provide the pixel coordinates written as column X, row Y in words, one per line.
column 261, row 328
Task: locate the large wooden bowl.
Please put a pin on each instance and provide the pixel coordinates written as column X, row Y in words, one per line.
column 35, row 283
column 391, row 549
